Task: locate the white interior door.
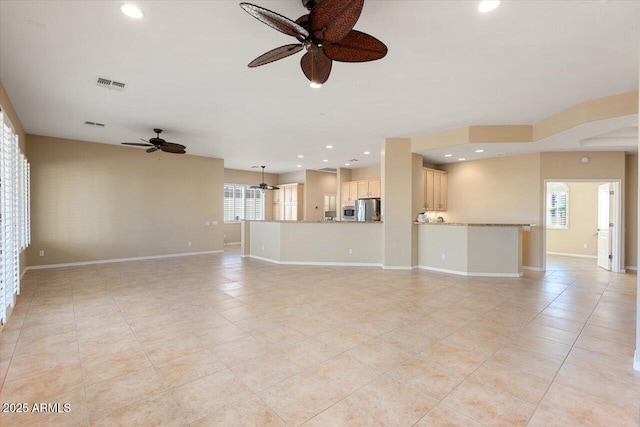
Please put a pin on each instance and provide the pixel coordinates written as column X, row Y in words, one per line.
column 605, row 203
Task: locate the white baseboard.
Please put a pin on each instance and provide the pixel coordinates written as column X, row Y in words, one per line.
column 573, row 255
column 233, row 243
column 108, row 261
column 469, row 273
column 391, row 267
column 321, row 263
column 530, row 268
column 631, row 267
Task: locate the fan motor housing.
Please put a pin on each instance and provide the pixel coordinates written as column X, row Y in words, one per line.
column 310, row 4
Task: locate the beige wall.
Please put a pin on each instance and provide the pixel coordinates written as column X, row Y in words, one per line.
column 365, row 173
column 502, row 189
column 313, row 243
column 98, row 202
column 583, row 222
column 317, row 184
column 397, row 203
column 498, row 190
column 631, row 211
column 231, row 231
column 292, row 177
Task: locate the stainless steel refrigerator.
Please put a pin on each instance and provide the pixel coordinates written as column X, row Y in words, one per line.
column 366, row 208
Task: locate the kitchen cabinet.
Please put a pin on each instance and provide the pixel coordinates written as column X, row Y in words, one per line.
column 277, row 196
column 349, row 193
column 288, row 204
column 434, row 187
column 368, row 189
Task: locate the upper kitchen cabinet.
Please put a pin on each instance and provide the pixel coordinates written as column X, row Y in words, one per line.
column 349, row 193
column 368, row 189
column 434, row 185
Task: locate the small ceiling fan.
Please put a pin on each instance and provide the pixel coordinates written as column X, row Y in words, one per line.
column 264, row 186
column 158, row 143
column 326, row 33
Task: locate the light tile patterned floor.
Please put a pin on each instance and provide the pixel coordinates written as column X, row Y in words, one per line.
column 220, row 340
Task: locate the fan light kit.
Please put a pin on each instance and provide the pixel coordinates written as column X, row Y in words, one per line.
column 132, row 11
column 158, row 143
column 326, row 34
column 488, row 5
column 264, row 186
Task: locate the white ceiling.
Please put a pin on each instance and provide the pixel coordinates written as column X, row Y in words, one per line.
column 185, row 65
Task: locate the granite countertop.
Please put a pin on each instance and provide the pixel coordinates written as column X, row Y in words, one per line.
column 474, row 224
column 323, row 222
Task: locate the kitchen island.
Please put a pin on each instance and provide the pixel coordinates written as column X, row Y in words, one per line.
column 346, row 243
column 493, row 250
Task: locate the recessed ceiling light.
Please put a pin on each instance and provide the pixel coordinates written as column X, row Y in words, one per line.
column 448, row 155
column 315, row 85
column 347, row 164
column 462, row 159
column 479, row 151
column 488, row 5
column 329, row 147
column 300, row 156
column 132, row 11
column 326, row 161
column 299, row 166
column 367, row 152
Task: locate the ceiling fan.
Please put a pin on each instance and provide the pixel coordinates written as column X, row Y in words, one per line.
column 158, row 143
column 264, row 186
column 326, row 33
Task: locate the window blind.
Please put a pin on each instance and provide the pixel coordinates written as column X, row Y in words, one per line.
column 242, row 202
column 557, row 206
column 14, row 213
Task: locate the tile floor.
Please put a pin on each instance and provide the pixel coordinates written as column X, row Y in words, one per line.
column 220, row 340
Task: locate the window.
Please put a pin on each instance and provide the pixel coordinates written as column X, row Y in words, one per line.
column 14, row 213
column 242, row 202
column 557, row 206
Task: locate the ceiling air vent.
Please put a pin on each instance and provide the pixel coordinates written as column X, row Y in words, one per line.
column 111, row 84
column 100, row 125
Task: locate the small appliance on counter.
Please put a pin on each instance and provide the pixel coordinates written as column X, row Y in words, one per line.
column 366, row 209
column 348, row 213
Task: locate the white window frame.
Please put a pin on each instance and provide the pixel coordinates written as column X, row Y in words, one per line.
column 15, row 219
column 241, row 202
column 561, row 192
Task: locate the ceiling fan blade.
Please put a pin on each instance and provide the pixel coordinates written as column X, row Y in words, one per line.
column 276, row 21
column 356, row 47
column 152, row 149
column 172, row 146
column 316, row 66
column 335, row 18
column 275, row 54
column 173, row 151
column 272, row 187
column 137, row 144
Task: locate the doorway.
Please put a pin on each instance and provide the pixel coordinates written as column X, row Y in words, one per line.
column 583, row 225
